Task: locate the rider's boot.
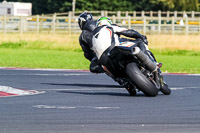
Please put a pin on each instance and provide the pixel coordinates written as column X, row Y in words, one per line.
column 130, row 88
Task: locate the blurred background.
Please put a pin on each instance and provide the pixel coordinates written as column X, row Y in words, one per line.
column 146, row 16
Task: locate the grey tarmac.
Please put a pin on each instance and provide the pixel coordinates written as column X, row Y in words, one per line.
column 79, row 101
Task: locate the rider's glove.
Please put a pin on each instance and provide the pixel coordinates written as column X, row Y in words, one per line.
column 144, row 39
column 95, row 66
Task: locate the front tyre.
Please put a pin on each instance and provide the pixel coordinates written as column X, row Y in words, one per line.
column 165, row 89
column 140, row 80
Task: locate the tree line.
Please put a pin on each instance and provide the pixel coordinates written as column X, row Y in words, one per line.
column 56, row 6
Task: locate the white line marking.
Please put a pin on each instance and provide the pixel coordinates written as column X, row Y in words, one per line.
column 58, row 74
column 40, row 69
column 106, row 107
column 182, row 74
column 39, row 74
column 73, row 107
column 181, row 88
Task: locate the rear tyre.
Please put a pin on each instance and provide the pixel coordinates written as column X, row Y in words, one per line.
column 140, row 80
column 165, row 89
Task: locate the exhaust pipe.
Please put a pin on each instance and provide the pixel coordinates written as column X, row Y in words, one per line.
column 144, row 59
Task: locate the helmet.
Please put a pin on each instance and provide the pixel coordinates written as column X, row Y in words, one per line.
column 104, row 21
column 83, row 18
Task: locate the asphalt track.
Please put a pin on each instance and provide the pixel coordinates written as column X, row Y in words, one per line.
column 81, row 102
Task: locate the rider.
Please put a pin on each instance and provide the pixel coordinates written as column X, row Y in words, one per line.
column 104, row 24
column 106, row 36
column 87, row 25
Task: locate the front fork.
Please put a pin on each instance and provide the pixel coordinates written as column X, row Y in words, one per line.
column 158, row 77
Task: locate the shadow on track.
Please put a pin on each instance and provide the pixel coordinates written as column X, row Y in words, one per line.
column 86, row 85
column 96, row 93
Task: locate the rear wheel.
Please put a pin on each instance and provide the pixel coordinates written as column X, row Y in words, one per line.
column 140, row 80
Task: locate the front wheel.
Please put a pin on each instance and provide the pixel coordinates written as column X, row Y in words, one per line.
column 140, row 80
column 165, row 89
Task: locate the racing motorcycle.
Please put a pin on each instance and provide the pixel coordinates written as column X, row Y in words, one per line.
column 134, row 69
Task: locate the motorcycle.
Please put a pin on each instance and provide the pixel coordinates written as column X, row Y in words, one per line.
column 135, row 69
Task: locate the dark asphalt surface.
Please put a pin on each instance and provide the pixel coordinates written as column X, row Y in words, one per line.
column 81, row 102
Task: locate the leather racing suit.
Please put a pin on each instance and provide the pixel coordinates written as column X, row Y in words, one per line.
column 85, row 40
column 106, row 36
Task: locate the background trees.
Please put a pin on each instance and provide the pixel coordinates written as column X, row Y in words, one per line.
column 178, row 5
column 52, row 6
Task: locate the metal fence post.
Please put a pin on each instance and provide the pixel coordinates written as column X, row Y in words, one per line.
column 175, row 14
column 186, row 26
column 4, row 24
column 173, row 22
column 21, row 25
column 199, row 26
column 129, row 22
column 159, row 13
column 193, row 14
column 38, row 23
column 106, row 13
column 126, row 14
column 54, row 23
column 118, row 14
column 159, row 24
column 69, row 22
column 134, row 14
column 184, row 13
column 25, row 24
column 168, row 14
column 102, row 13
column 114, row 19
column 151, row 13
column 144, row 25
column 143, row 14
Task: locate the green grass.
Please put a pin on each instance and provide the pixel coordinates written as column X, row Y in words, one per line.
column 33, row 58
column 50, row 54
column 179, row 63
column 173, row 61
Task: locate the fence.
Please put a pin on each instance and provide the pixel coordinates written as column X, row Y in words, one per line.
column 145, row 22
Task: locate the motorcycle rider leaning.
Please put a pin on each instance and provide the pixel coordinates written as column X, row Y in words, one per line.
column 106, row 36
column 87, row 25
column 104, row 25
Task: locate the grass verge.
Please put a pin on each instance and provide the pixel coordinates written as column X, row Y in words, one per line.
column 34, row 58
column 179, row 64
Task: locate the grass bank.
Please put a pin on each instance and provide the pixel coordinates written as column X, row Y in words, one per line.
column 34, row 58
column 179, row 63
column 178, row 53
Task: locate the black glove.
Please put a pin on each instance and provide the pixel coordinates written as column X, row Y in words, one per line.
column 95, row 66
column 144, row 39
